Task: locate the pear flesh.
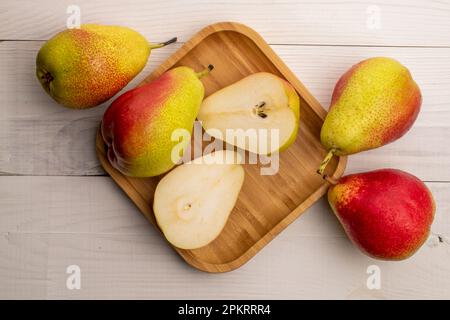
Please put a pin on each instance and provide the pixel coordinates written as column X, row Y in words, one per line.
column 259, row 113
column 192, row 202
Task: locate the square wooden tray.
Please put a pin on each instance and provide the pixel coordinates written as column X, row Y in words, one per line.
column 266, row 204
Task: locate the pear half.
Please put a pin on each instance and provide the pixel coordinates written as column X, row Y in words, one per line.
column 192, row 202
column 259, row 113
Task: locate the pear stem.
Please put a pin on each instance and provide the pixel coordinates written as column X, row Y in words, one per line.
column 325, row 161
column 205, row 72
column 162, row 44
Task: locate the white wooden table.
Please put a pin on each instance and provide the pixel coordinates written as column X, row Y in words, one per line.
column 57, row 207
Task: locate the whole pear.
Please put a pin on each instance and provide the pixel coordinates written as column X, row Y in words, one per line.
column 373, row 103
column 138, row 126
column 387, row 213
column 83, row 67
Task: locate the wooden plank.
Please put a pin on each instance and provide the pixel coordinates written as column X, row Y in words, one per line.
column 57, row 204
column 23, row 266
column 88, row 221
column 296, row 267
column 38, row 137
column 85, row 204
column 413, row 22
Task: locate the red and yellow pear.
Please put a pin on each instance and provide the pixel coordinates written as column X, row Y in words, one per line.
column 138, row 126
column 83, row 67
column 374, row 103
column 387, row 213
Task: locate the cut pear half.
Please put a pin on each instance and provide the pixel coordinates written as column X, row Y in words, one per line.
column 259, row 113
column 192, row 202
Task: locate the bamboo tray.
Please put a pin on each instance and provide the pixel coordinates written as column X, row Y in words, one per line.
column 266, row 204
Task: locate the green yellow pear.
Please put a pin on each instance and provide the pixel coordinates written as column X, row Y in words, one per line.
column 140, row 127
column 83, row 67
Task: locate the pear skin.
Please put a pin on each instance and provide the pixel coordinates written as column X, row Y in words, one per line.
column 294, row 103
column 84, row 67
column 387, row 213
column 374, row 103
column 138, row 125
